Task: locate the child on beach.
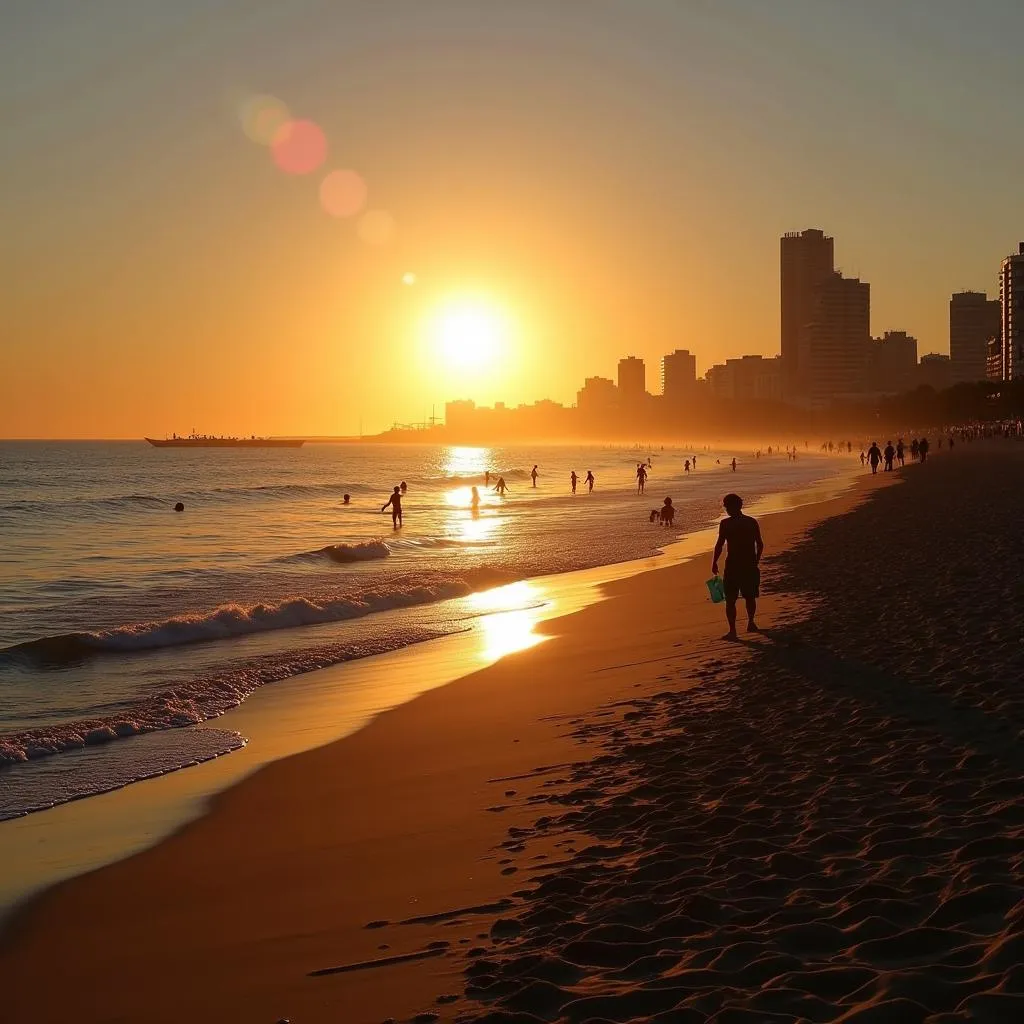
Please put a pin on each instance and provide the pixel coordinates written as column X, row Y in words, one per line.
column 742, row 574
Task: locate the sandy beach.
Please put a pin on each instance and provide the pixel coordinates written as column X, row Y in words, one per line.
column 632, row 821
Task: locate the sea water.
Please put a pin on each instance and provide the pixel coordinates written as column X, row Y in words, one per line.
column 124, row 624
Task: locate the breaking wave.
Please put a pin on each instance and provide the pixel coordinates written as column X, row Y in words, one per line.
column 229, row 620
column 366, row 551
column 194, row 700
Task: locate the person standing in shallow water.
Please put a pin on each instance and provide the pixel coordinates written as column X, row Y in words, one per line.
column 572, row 481
column 641, row 478
column 589, row 481
column 742, row 535
column 395, row 501
column 533, row 475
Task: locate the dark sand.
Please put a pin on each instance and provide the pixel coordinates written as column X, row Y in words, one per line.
column 824, row 823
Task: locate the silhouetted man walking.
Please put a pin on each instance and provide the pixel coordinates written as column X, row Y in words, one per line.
column 742, row 573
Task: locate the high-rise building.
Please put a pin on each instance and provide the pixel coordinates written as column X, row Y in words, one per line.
column 935, row 371
column 1011, row 297
column 806, row 263
column 749, row 378
column 599, row 396
column 678, row 374
column 835, row 344
column 974, row 320
column 632, row 380
column 994, row 361
column 892, row 362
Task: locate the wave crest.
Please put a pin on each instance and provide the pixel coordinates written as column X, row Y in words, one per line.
column 194, row 700
column 367, row 551
column 226, row 621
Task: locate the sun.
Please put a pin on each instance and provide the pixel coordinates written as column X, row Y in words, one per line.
column 469, row 335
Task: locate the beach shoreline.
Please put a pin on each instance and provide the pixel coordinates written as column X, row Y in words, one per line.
column 457, row 880
column 45, row 848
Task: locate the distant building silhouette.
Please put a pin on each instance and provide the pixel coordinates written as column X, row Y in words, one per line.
column 678, row 375
column 632, row 382
column 598, row 398
column 806, row 263
column 459, row 415
column 974, row 320
column 934, row 371
column 749, row 378
column 835, row 343
column 1011, row 297
column 892, row 363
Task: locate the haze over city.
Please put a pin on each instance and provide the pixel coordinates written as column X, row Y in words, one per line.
column 571, row 190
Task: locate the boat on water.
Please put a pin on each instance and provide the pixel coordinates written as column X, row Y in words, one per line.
column 207, row 441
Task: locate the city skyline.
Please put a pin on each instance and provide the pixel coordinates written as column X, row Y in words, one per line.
column 169, row 264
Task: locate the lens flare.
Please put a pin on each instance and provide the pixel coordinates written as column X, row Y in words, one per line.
column 409, row 278
column 299, row 147
column 343, row 193
column 262, row 118
column 377, row 227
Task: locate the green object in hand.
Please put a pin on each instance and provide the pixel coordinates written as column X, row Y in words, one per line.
column 716, row 588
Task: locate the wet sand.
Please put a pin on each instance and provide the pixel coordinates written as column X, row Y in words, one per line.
column 823, row 823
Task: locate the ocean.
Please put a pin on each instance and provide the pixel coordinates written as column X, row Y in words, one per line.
column 125, row 624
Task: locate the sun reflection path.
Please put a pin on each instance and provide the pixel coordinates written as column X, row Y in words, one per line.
column 509, row 615
column 462, row 460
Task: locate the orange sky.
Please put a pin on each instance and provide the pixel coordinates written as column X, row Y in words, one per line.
column 610, row 185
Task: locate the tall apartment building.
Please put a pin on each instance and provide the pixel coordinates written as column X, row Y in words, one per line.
column 749, row 378
column 974, row 320
column 806, row 263
column 599, row 396
column 678, row 374
column 632, row 381
column 892, row 363
column 835, row 344
column 1011, row 298
column 935, row 371
column 994, row 361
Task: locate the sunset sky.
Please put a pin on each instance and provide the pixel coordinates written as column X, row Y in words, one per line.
column 568, row 181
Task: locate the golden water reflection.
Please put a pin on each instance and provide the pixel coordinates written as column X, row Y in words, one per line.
column 464, row 460
column 468, row 523
column 509, row 616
